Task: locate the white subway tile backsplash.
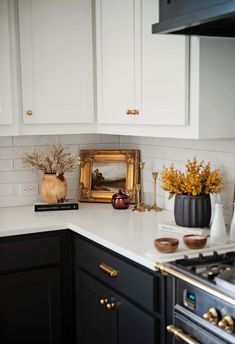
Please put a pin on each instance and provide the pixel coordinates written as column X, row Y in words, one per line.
column 6, row 189
column 79, row 139
column 155, row 152
column 18, row 176
column 14, row 152
column 18, row 165
column 6, row 141
column 14, row 176
column 6, row 165
column 35, row 140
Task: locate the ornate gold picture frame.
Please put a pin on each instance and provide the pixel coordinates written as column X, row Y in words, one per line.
column 103, row 173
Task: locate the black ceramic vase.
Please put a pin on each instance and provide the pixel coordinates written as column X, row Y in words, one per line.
column 192, row 211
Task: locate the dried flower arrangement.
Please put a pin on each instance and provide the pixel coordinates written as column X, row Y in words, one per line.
column 56, row 161
column 198, row 179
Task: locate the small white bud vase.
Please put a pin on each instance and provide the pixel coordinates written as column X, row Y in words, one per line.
column 218, row 228
column 232, row 226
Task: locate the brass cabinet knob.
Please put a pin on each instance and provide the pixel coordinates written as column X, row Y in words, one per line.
column 227, row 324
column 212, row 316
column 132, row 112
column 29, row 112
column 110, row 306
column 103, row 301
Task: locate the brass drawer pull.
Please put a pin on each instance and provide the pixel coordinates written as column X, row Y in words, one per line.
column 132, row 112
column 179, row 334
column 29, row 112
column 110, row 271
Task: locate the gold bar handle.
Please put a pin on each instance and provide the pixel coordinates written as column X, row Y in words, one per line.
column 132, row 112
column 108, row 270
column 179, row 334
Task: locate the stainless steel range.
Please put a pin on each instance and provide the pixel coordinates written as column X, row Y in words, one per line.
column 203, row 290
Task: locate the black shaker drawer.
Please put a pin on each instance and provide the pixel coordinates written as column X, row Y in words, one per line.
column 26, row 251
column 139, row 285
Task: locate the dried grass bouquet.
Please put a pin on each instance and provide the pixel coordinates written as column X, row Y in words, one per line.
column 198, row 179
column 56, row 161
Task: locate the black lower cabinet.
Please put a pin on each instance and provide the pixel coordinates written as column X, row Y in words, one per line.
column 93, row 320
column 30, row 307
column 36, row 280
column 132, row 324
column 58, row 287
column 105, row 317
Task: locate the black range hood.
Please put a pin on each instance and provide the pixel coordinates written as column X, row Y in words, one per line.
column 197, row 17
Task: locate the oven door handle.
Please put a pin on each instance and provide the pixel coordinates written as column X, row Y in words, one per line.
column 179, row 334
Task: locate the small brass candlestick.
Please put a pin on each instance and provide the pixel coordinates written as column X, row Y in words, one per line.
column 142, row 164
column 154, row 207
column 138, row 206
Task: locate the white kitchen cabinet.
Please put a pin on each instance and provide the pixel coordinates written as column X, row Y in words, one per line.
column 138, row 70
column 181, row 87
column 9, row 96
column 5, row 66
column 56, row 64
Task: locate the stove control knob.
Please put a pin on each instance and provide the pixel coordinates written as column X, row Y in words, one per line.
column 227, row 324
column 212, row 316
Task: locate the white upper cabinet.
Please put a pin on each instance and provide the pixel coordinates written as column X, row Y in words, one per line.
column 56, row 61
column 141, row 78
column 6, row 99
column 170, row 85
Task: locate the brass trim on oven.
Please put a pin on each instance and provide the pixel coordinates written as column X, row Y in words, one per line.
column 165, row 270
column 179, row 334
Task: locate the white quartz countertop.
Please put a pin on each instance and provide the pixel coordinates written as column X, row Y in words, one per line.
column 128, row 233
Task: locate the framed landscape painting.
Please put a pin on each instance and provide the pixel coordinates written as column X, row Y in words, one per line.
column 105, row 172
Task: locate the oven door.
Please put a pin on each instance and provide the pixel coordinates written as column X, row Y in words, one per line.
column 186, row 331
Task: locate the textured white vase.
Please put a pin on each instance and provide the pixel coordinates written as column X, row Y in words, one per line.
column 218, row 228
column 232, row 226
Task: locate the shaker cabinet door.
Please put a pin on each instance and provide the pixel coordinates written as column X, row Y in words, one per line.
column 164, row 73
column 56, row 61
column 30, row 310
column 137, row 70
column 115, row 40
column 6, row 116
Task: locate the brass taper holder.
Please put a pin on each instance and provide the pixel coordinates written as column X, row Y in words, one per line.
column 138, row 206
column 154, row 207
column 142, row 164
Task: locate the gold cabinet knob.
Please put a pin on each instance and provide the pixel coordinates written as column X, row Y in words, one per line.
column 29, row 112
column 103, row 301
column 110, row 306
column 132, row 112
column 211, row 316
column 227, row 324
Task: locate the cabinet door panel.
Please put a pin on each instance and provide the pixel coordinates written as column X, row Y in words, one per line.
column 5, row 66
column 164, row 74
column 30, row 307
column 132, row 324
column 93, row 320
column 56, row 61
column 115, row 59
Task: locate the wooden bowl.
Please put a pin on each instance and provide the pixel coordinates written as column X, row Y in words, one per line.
column 195, row 241
column 166, row 245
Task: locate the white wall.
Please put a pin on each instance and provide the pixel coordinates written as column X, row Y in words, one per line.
column 154, row 151
column 13, row 176
column 157, row 152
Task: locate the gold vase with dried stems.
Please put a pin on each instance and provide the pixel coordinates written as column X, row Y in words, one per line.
column 53, row 164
